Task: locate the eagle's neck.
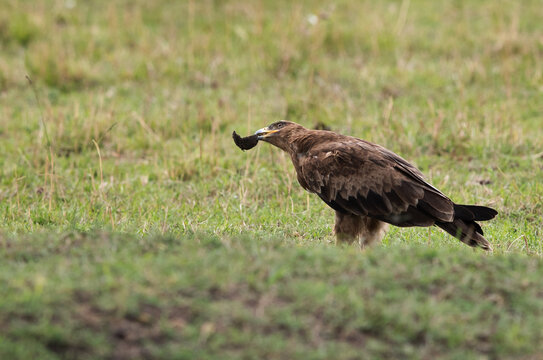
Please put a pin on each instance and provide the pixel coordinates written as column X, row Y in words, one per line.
column 299, row 148
column 304, row 141
column 300, row 144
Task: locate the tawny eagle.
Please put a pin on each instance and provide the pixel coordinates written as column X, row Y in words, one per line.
column 369, row 186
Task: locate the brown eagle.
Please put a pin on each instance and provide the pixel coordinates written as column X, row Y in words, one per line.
column 369, row 186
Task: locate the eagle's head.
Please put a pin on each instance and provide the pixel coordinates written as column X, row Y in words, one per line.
column 280, row 133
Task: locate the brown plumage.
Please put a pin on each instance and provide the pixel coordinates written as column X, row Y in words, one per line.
column 369, row 186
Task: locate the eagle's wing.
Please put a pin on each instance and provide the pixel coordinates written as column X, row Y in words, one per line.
column 358, row 177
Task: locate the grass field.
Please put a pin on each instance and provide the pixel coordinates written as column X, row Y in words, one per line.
column 132, row 227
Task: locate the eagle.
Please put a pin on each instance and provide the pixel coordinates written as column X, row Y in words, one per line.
column 369, row 186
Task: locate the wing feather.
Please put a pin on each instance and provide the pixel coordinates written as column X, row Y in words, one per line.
column 358, row 177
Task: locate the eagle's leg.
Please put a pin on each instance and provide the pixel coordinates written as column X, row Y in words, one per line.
column 362, row 229
column 373, row 231
column 347, row 228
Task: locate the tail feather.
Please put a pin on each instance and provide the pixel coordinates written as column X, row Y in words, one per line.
column 474, row 212
column 469, row 232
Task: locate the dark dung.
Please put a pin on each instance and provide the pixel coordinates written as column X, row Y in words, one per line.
column 245, row 143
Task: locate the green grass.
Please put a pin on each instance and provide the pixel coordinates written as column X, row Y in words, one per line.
column 132, row 225
column 201, row 296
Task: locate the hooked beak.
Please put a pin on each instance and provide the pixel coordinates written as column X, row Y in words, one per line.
column 264, row 132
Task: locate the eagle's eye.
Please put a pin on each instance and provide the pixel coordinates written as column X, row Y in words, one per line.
column 278, row 125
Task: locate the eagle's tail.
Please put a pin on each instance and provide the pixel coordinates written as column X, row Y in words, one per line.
column 464, row 226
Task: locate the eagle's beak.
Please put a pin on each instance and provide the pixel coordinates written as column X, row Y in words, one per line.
column 264, row 132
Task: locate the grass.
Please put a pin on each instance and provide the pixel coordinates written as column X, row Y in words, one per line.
column 132, row 226
column 201, row 296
